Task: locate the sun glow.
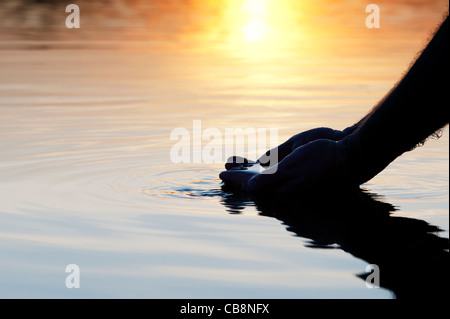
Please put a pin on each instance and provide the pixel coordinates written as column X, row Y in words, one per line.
column 255, row 30
column 257, row 27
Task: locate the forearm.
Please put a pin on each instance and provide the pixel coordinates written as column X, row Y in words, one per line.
column 413, row 110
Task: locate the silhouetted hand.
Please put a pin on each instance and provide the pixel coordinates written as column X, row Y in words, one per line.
column 297, row 163
column 321, row 163
column 301, row 139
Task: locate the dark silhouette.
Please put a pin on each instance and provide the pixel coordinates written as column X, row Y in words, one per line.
column 413, row 260
column 416, row 108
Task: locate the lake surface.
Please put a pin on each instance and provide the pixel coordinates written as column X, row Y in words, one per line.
column 86, row 175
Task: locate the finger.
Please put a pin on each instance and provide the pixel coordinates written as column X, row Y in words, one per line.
column 276, row 155
column 266, row 181
column 237, row 178
column 284, row 175
column 234, row 162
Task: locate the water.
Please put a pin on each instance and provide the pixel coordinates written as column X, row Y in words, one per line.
column 86, row 176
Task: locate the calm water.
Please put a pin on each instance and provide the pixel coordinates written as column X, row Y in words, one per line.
column 86, row 176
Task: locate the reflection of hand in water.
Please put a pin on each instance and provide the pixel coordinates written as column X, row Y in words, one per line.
column 412, row 259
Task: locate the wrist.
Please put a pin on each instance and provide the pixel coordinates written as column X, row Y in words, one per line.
column 349, row 130
column 351, row 154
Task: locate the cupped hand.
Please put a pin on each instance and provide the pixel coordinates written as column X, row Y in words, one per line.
column 278, row 153
column 321, row 163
